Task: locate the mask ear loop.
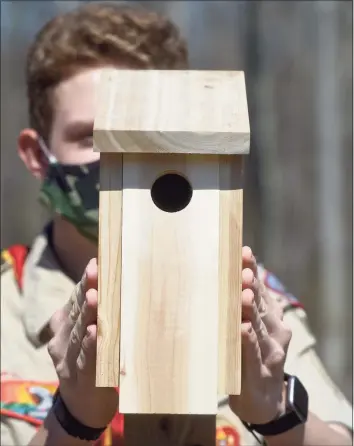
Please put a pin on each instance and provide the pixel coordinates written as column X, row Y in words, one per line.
column 52, row 161
column 50, row 157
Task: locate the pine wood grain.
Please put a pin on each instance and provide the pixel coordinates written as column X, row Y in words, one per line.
column 201, row 112
column 169, row 295
column 230, row 270
column 170, row 283
column 109, row 270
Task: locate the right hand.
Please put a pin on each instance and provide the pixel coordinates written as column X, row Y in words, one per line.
column 73, row 351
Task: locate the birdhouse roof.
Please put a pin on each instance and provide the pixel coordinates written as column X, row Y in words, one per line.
column 172, row 111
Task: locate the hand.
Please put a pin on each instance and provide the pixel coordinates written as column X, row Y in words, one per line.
column 73, row 351
column 265, row 341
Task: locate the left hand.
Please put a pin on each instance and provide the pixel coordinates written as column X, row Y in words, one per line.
column 265, row 341
column 73, row 352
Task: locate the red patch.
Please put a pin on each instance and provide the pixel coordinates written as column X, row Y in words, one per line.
column 227, row 436
column 30, row 401
column 17, row 256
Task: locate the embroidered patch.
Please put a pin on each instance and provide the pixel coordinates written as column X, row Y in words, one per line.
column 15, row 256
column 6, row 261
column 274, row 283
column 227, row 436
column 30, row 401
column 26, row 400
column 287, row 299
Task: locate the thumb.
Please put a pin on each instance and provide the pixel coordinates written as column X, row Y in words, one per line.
column 65, row 318
column 89, row 280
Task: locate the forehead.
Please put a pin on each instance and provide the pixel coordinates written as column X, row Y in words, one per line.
column 74, row 98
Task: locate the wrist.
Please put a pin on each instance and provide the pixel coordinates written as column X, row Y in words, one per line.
column 294, row 414
column 86, row 409
column 280, row 409
column 52, row 434
column 73, row 425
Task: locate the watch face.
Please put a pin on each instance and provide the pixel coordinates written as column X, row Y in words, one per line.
column 297, row 398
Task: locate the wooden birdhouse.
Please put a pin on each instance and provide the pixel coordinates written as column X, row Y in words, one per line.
column 170, row 239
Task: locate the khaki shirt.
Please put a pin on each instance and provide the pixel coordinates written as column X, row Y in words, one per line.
column 29, row 379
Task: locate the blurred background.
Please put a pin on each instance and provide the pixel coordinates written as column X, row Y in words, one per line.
column 297, row 57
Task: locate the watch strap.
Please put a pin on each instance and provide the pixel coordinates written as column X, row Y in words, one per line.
column 297, row 398
column 70, row 424
column 278, row 426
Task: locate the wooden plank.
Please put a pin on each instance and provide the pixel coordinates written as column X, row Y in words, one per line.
column 230, row 271
column 169, row 291
column 170, row 430
column 109, row 270
column 154, row 111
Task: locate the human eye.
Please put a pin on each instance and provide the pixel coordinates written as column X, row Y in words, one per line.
column 86, row 142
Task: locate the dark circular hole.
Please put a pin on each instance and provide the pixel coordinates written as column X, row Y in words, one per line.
column 171, row 192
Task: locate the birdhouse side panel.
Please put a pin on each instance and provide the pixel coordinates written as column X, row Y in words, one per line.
column 230, row 275
column 109, row 270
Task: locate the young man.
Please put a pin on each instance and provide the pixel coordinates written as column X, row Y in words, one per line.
column 62, row 70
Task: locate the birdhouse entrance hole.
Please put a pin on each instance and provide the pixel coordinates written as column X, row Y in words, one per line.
column 171, row 192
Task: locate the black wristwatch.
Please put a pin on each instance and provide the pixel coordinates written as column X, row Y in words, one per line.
column 296, row 410
column 70, row 424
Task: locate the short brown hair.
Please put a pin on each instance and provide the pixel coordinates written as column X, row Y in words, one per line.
column 95, row 35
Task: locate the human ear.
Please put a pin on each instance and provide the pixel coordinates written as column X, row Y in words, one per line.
column 30, row 152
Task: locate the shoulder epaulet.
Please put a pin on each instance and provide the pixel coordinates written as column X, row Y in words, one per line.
column 278, row 291
column 14, row 257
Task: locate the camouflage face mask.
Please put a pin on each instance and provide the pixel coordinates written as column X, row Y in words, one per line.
column 72, row 191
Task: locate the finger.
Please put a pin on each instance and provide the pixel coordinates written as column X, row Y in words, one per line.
column 250, row 313
column 249, row 260
column 86, row 361
column 273, row 315
column 251, row 364
column 251, row 353
column 89, row 280
column 271, row 302
column 56, row 321
column 87, row 317
column 250, row 281
column 273, row 344
column 267, row 307
column 61, row 326
column 62, row 323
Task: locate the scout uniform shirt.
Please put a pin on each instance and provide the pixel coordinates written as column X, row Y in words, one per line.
column 29, row 297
